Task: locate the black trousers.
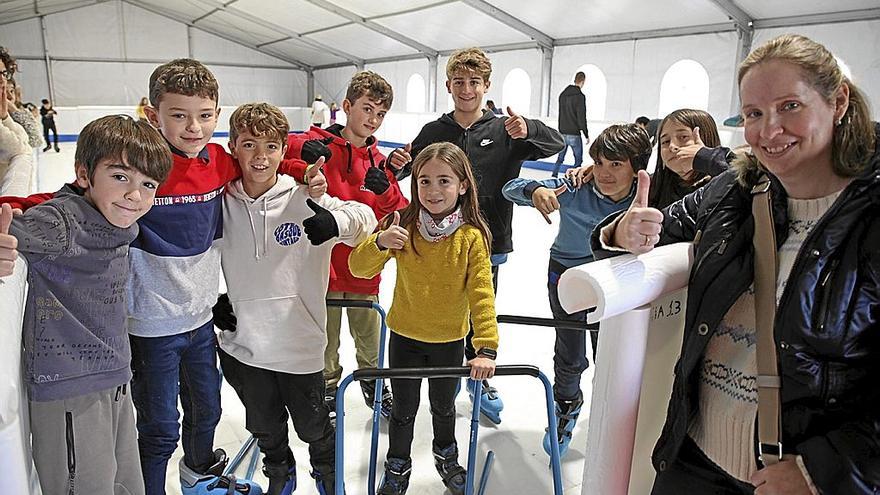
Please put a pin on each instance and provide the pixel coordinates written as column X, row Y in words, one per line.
column 570, row 350
column 47, row 126
column 268, row 396
column 469, row 351
column 404, row 352
column 695, row 474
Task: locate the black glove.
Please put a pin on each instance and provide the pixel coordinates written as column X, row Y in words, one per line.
column 376, row 180
column 316, row 148
column 224, row 317
column 321, row 227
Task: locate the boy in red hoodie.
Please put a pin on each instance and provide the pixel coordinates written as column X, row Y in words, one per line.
column 355, row 170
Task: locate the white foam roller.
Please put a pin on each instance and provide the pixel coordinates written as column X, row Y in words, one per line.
column 616, row 285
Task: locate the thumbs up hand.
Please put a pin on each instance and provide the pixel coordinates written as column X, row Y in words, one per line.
column 399, row 157
column 376, row 180
column 639, row 228
column 515, row 125
column 395, row 236
column 315, row 179
column 321, row 227
column 8, row 243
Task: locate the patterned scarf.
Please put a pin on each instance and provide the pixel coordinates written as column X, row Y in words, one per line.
column 434, row 231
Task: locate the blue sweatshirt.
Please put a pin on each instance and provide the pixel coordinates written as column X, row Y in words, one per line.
column 74, row 329
column 580, row 211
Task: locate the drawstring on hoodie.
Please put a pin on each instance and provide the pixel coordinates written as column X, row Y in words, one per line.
column 257, row 253
column 348, row 148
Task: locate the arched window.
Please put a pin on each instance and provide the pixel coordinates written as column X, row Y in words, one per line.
column 415, row 94
column 685, row 85
column 596, row 90
column 516, row 92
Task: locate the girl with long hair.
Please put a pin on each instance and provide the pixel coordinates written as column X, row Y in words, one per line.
column 444, row 280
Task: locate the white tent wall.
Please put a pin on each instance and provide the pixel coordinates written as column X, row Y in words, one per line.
column 332, row 83
column 397, row 74
column 856, row 43
column 126, row 37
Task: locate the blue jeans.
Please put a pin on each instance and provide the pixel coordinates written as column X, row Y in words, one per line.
column 570, row 351
column 165, row 367
column 577, row 147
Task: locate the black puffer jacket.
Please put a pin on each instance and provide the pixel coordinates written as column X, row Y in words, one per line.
column 827, row 323
column 496, row 158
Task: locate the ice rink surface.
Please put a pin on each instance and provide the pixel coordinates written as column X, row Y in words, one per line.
column 521, row 466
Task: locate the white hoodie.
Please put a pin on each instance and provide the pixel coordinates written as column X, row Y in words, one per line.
column 277, row 280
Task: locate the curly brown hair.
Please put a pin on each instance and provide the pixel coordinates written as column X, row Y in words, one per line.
column 368, row 83
column 260, row 119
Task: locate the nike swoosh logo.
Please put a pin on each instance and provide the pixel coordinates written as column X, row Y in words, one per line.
column 486, row 142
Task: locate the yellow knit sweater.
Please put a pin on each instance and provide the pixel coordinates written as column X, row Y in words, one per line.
column 439, row 289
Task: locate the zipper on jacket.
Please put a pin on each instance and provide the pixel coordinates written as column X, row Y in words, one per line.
column 71, row 452
column 718, row 248
column 824, row 291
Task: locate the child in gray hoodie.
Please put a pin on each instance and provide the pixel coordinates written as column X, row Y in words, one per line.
column 77, row 356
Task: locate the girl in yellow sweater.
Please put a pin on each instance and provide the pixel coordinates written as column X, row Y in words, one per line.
column 444, row 280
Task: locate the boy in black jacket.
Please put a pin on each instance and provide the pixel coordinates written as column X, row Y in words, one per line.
column 496, row 148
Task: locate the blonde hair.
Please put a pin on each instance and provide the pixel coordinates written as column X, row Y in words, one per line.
column 469, row 60
column 261, row 120
column 375, row 87
column 854, row 139
column 453, row 156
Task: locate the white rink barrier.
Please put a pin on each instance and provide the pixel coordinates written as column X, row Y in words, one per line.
column 640, row 302
column 16, row 464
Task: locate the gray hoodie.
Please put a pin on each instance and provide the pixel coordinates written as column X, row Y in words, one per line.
column 74, row 328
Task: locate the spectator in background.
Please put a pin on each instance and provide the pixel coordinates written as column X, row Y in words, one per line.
column 139, row 110
column 490, row 106
column 320, row 112
column 573, row 121
column 13, row 138
column 650, row 126
column 333, row 109
column 48, row 113
column 21, row 115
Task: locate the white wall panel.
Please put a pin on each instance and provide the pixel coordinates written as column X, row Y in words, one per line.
column 397, row 74
column 209, row 48
column 150, row 37
column 93, row 31
column 502, row 64
column 31, row 77
column 279, row 87
column 856, row 43
column 100, row 83
column 22, row 38
column 331, row 84
column 615, row 60
column 715, row 52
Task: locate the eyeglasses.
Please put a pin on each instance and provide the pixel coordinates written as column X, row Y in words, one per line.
column 5, row 74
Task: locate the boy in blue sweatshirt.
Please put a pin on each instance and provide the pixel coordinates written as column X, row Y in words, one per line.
column 619, row 153
column 76, row 348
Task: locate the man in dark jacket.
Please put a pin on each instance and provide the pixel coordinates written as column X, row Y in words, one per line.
column 496, row 148
column 573, row 121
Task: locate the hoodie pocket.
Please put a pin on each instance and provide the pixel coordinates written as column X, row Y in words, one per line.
column 274, row 330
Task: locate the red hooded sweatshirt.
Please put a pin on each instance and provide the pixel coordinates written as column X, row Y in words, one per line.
column 345, row 172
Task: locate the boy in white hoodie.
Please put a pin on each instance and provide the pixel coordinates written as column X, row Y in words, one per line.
column 277, row 266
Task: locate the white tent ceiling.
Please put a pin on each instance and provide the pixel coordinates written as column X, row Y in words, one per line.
column 319, row 34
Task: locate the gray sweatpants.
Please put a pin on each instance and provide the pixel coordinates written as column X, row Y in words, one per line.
column 87, row 445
